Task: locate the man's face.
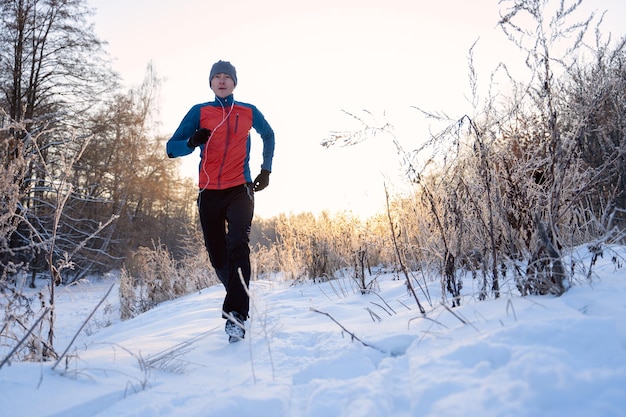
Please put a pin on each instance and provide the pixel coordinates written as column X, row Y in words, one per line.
column 222, row 85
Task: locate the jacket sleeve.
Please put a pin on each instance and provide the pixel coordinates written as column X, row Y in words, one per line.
column 264, row 129
column 177, row 145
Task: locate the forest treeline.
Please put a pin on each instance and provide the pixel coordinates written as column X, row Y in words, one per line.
column 537, row 168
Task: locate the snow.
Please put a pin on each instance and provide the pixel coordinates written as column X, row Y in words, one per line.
column 512, row 356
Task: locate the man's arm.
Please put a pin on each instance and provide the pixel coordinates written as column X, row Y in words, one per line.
column 264, row 129
column 177, row 145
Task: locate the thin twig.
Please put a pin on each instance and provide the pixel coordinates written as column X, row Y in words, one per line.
column 381, row 307
column 263, row 328
column 375, row 317
column 383, row 300
column 428, row 318
column 83, row 326
column 509, row 303
column 168, row 355
column 397, row 250
column 352, row 335
column 6, row 359
column 461, row 319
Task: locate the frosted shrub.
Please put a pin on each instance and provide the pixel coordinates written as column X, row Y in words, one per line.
column 127, row 295
column 153, row 276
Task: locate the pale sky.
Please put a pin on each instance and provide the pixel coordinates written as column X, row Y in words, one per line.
column 303, row 62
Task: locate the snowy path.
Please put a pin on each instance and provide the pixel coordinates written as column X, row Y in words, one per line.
column 532, row 356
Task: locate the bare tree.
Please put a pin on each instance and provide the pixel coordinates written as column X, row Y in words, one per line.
column 125, row 167
column 596, row 94
column 52, row 72
column 536, row 169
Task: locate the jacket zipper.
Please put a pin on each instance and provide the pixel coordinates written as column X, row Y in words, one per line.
column 226, row 143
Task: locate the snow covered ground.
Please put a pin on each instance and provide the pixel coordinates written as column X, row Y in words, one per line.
column 514, row 356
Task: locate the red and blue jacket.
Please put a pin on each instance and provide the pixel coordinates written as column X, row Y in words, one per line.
column 224, row 159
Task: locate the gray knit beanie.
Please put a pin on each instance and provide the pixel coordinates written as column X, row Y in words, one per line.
column 223, row 67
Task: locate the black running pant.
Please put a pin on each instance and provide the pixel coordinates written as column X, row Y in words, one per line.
column 226, row 217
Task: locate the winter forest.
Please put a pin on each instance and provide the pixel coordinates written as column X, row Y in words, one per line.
column 501, row 195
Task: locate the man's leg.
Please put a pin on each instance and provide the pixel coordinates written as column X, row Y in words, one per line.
column 213, row 220
column 239, row 215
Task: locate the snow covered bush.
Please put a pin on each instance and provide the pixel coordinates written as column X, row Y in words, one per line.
column 152, row 276
column 536, row 169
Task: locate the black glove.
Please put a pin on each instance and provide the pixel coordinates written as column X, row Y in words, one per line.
column 262, row 180
column 199, row 138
